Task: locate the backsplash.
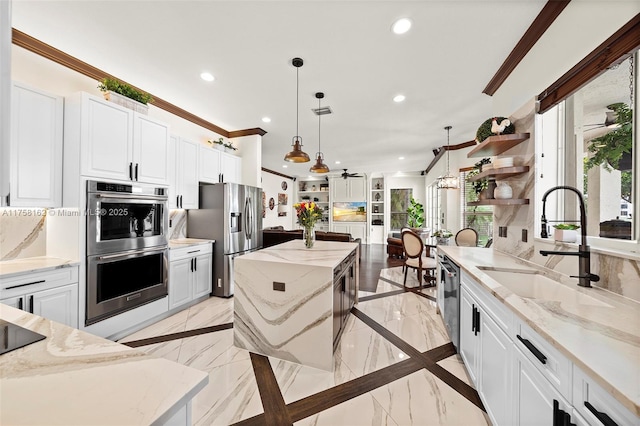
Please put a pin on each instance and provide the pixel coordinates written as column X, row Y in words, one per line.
column 617, row 274
column 178, row 224
column 22, row 233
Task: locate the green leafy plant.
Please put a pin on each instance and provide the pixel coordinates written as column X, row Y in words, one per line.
column 484, row 131
column 416, row 214
column 113, row 85
column 443, row 233
column 609, row 149
column 221, row 142
column 566, row 226
column 482, row 184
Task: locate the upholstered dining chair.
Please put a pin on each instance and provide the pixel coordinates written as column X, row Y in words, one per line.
column 414, row 258
column 467, row 237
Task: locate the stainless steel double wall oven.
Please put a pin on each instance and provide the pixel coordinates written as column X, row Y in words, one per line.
column 127, row 249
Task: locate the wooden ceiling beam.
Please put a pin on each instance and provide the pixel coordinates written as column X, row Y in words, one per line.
column 445, row 148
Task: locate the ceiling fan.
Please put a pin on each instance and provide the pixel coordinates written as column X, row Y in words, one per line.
column 348, row 175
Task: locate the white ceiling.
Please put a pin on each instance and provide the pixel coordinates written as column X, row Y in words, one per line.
column 350, row 53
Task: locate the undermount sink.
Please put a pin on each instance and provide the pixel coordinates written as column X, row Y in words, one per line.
column 533, row 285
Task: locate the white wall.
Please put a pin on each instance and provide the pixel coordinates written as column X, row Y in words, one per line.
column 581, row 27
column 272, row 186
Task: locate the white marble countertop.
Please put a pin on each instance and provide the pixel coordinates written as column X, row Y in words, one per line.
column 323, row 253
column 603, row 341
column 10, row 268
column 186, row 242
column 76, row 378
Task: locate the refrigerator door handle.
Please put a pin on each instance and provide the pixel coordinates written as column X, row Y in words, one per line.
column 250, row 217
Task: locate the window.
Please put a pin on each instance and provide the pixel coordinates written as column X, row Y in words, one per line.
column 588, row 141
column 433, row 211
column 399, row 204
column 479, row 218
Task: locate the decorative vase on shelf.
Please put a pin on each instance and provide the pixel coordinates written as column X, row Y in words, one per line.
column 491, row 186
column 308, row 236
column 503, row 191
column 377, row 196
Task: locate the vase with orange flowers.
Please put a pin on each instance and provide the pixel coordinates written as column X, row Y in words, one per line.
column 308, row 214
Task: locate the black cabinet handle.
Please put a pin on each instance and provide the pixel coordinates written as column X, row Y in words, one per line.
column 473, row 318
column 191, row 264
column 600, row 415
column 195, row 263
column 31, row 303
column 177, row 201
column 343, row 284
column 181, row 201
column 560, row 417
column 477, row 321
column 20, row 303
column 136, row 171
column 541, row 357
column 23, row 285
column 130, row 171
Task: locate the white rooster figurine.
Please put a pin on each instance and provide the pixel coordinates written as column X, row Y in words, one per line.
column 499, row 128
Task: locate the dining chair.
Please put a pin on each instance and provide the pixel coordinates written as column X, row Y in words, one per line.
column 414, row 258
column 467, row 237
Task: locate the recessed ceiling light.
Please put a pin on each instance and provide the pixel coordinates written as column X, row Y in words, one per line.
column 284, row 166
column 337, row 162
column 266, row 120
column 207, row 76
column 399, row 98
column 400, row 158
column 401, row 26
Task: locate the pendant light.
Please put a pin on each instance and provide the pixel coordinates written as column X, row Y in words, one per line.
column 448, row 181
column 319, row 167
column 297, row 155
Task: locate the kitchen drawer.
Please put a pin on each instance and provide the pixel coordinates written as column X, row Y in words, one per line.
column 551, row 363
column 36, row 281
column 586, row 391
column 502, row 315
column 189, row 251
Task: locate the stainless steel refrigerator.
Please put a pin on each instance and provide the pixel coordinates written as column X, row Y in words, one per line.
column 230, row 214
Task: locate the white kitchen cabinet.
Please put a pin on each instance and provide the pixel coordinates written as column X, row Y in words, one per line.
column 190, row 274
column 350, row 189
column 183, row 174
column 469, row 342
column 114, row 142
column 217, row 166
column 356, row 230
column 36, row 148
column 50, row 294
column 534, row 396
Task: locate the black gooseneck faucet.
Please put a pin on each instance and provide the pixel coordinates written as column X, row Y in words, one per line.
column 584, row 263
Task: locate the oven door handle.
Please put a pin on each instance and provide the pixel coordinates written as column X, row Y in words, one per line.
column 449, row 273
column 129, row 253
column 134, row 197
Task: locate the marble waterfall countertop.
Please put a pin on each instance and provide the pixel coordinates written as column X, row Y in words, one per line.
column 10, row 268
column 75, row 378
column 186, row 242
column 324, row 253
column 603, row 341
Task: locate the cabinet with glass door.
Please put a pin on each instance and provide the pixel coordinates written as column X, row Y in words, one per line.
column 317, row 191
column 376, row 225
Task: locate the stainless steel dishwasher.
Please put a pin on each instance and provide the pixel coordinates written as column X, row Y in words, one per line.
column 450, row 282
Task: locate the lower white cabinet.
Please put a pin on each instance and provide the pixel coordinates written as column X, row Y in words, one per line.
column 189, row 274
column 52, row 295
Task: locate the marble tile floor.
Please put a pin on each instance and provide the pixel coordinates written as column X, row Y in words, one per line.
column 419, row 398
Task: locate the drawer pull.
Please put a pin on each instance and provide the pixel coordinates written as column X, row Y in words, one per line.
column 541, row 357
column 193, row 251
column 560, row 417
column 20, row 303
column 602, row 416
column 23, row 285
column 30, row 304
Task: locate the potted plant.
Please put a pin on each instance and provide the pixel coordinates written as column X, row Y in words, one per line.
column 416, row 215
column 224, row 145
column 614, row 148
column 442, row 236
column 124, row 95
column 565, row 232
column 484, row 131
column 481, row 186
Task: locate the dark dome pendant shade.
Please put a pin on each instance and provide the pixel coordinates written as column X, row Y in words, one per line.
column 319, row 167
column 297, row 155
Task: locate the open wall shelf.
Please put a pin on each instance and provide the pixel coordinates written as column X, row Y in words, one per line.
column 495, row 145
column 495, row 202
column 501, row 173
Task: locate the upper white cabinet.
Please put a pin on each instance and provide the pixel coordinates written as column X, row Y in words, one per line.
column 217, row 166
column 36, row 148
column 183, row 174
column 115, row 142
column 351, row 189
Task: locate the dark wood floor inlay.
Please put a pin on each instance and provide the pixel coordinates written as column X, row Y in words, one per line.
column 336, row 395
column 454, row 382
column 180, row 335
column 275, row 410
column 379, row 295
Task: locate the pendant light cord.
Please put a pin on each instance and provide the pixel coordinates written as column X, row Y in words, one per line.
column 319, row 117
column 297, row 99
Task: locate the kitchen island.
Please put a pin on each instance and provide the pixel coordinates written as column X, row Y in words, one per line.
column 291, row 302
column 75, row 378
